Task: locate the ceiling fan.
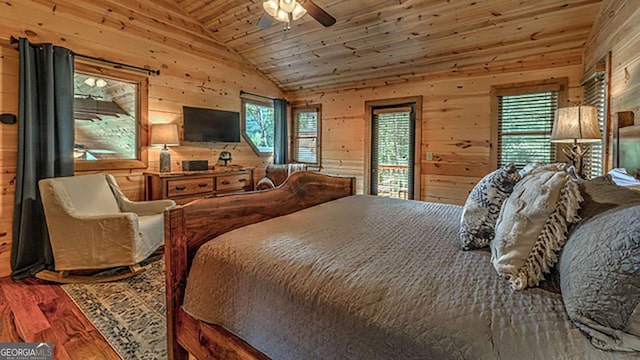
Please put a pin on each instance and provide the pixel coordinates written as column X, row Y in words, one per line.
column 287, row 11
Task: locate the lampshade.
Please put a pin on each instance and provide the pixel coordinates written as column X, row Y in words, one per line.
column 165, row 134
column 576, row 124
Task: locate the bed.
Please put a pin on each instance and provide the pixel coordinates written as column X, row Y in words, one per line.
column 309, row 271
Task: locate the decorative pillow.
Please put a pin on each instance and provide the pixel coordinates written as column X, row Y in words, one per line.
column 529, row 168
column 532, row 226
column 600, row 278
column 483, row 207
column 601, row 194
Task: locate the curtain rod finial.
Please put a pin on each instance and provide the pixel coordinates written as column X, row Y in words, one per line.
column 13, row 40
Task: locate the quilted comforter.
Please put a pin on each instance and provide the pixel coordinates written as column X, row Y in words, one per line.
column 365, row 277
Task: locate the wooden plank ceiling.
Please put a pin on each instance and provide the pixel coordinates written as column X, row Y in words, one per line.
column 394, row 40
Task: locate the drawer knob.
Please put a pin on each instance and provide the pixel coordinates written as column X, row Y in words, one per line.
column 242, row 180
column 226, row 182
column 180, row 188
column 202, row 185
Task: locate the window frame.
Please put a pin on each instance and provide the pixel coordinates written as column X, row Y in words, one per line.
column 295, row 110
column 595, row 78
column 561, row 85
column 243, row 123
column 142, row 118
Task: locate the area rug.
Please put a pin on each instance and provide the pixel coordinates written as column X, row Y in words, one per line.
column 129, row 313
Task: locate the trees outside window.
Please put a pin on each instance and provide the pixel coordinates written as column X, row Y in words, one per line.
column 258, row 125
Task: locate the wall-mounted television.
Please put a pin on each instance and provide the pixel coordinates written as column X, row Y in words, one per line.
column 208, row 125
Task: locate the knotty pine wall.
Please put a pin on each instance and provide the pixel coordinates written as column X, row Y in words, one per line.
column 456, row 122
column 617, row 32
column 195, row 71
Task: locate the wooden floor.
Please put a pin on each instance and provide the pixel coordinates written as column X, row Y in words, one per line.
column 36, row 311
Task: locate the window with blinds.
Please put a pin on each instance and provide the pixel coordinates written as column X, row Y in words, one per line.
column 306, row 135
column 524, row 127
column 595, row 94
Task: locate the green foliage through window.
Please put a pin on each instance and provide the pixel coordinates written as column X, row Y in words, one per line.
column 524, row 128
column 259, row 125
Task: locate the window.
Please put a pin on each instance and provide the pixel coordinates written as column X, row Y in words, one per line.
column 109, row 109
column 595, row 94
column 258, row 125
column 306, row 131
column 524, row 123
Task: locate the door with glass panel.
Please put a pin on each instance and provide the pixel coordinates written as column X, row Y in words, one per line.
column 393, row 151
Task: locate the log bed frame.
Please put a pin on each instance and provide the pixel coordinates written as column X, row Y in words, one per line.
column 188, row 227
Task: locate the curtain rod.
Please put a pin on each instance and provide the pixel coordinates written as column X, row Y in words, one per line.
column 14, row 40
column 256, row 95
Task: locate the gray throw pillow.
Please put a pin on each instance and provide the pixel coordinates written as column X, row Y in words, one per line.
column 481, row 210
column 600, row 278
column 601, row 194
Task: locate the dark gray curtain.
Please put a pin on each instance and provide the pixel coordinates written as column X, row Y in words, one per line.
column 45, row 147
column 281, row 138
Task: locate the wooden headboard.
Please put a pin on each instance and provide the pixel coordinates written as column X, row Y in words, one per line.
column 627, row 144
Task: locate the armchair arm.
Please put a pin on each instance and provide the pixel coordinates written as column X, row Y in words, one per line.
column 138, row 207
column 145, row 207
column 265, row 184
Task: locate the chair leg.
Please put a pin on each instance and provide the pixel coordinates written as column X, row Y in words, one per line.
column 64, row 276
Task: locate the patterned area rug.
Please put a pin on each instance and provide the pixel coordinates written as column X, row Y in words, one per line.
column 129, row 313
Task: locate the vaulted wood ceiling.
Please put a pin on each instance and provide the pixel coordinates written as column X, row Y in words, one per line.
column 394, row 40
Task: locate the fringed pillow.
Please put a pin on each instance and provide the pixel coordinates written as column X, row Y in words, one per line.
column 483, row 205
column 532, row 226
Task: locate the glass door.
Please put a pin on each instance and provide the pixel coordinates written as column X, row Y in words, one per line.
column 392, row 151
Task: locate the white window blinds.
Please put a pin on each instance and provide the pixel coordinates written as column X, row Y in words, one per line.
column 524, row 128
column 306, row 136
column 595, row 94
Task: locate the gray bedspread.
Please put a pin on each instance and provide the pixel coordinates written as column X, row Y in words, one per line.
column 374, row 278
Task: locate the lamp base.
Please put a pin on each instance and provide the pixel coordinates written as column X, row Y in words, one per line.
column 575, row 155
column 165, row 160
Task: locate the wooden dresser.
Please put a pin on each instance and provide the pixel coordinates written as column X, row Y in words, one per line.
column 186, row 186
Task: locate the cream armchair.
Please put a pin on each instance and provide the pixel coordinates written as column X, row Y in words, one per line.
column 92, row 224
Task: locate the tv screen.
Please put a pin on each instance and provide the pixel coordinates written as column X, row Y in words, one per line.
column 207, row 125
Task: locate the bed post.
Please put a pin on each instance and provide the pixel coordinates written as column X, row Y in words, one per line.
column 175, row 249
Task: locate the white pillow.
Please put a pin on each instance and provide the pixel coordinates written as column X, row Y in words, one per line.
column 532, row 226
column 621, row 177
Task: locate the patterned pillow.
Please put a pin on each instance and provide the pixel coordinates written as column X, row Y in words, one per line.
column 532, row 227
column 483, row 207
column 600, row 278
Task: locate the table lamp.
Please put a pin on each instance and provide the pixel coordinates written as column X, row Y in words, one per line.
column 167, row 135
column 576, row 124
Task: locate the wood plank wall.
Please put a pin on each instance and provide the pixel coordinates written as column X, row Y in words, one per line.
column 455, row 120
column 195, row 71
column 617, row 32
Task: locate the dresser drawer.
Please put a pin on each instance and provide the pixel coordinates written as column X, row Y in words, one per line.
column 189, row 186
column 232, row 182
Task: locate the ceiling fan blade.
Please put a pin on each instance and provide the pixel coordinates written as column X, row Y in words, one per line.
column 265, row 21
column 317, row 13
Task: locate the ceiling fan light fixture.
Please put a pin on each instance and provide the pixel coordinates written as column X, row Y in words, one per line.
column 288, row 5
column 282, row 15
column 298, row 11
column 271, row 7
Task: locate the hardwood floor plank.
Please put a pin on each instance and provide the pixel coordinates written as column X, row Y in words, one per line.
column 23, row 306
column 8, row 331
column 26, row 306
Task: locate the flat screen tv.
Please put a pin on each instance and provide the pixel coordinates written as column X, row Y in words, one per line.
column 208, row 125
